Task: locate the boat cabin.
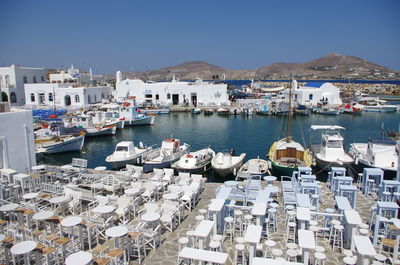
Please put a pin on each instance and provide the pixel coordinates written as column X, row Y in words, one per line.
column 79, row 121
column 126, row 148
column 169, row 146
column 382, row 152
column 291, row 153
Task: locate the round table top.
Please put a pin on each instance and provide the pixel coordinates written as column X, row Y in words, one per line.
column 39, row 167
column 132, row 191
column 2, row 237
column 23, row 247
column 100, row 168
column 103, row 209
column 43, row 215
column 30, row 196
column 273, row 189
column 71, row 221
column 150, row 217
column 9, row 207
column 59, row 199
column 170, row 196
column 231, row 183
column 79, row 258
column 270, row 178
column 116, row 231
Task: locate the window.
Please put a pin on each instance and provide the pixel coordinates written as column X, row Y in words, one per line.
column 42, row 78
column 157, row 97
column 13, row 97
column 95, row 98
column 32, row 97
column 310, row 97
column 34, row 79
column 7, row 80
column 102, row 95
column 122, row 149
column 76, row 98
column 25, row 79
column 148, row 96
column 50, row 96
column 89, row 99
column 168, row 96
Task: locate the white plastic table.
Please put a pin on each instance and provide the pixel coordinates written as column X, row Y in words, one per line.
column 364, row 248
column 342, row 203
column 303, row 200
column 150, row 217
column 303, row 215
column 231, row 183
column 263, row 196
column 79, row 258
column 203, row 231
column 59, row 200
column 259, row 209
column 38, row 167
column 30, row 196
column 103, row 209
column 201, row 255
column 215, row 208
column 43, row 215
column 132, row 191
column 306, row 242
column 171, row 196
column 267, row 261
column 352, row 220
column 269, row 179
column 9, row 207
column 224, row 193
column 116, row 232
column 71, row 222
column 23, row 248
column 252, row 237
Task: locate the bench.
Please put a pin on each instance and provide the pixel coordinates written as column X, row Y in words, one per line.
column 203, row 255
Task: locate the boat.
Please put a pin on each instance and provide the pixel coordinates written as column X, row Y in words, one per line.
column 149, row 111
column 330, row 152
column 302, row 110
column 196, row 111
column 208, row 111
column 86, row 122
column 126, row 153
column 170, row 152
column 133, row 116
column 376, row 153
column 371, row 104
column 286, row 155
column 223, row 111
column 194, row 162
column 253, row 167
column 225, row 163
column 353, row 108
column 58, row 144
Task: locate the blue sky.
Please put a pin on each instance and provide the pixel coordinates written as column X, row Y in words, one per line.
column 143, row 35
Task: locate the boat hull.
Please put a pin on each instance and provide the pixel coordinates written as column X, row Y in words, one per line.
column 122, row 163
column 104, row 131
column 72, row 145
column 326, row 165
column 198, row 169
column 148, row 120
column 282, row 170
column 150, row 166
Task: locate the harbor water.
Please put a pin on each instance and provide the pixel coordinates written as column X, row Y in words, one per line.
column 251, row 135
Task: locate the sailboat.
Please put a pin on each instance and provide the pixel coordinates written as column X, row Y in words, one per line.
column 287, row 155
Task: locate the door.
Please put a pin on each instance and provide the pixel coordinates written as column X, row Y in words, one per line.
column 175, row 99
column 194, row 99
column 67, row 100
column 41, row 98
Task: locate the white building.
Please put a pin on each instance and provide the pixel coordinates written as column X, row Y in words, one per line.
column 64, row 95
column 17, row 147
column 313, row 93
column 13, row 78
column 71, row 75
column 196, row 93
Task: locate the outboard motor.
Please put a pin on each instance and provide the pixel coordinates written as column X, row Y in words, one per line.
column 232, row 152
column 141, row 145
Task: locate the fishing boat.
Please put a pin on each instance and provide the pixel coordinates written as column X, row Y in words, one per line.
column 170, row 152
column 126, row 153
column 196, row 111
column 58, row 144
column 133, row 116
column 91, row 130
column 376, row 153
column 194, row 162
column 225, row 163
column 208, row 111
column 253, row 167
column 223, row 111
column 353, row 108
column 287, row 155
column 330, row 152
column 302, row 110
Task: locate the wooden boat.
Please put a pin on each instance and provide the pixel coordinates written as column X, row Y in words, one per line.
column 59, row 144
column 253, row 167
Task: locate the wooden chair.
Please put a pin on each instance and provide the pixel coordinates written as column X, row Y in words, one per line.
column 117, row 254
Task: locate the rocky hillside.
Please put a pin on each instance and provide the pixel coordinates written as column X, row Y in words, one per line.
column 330, row 66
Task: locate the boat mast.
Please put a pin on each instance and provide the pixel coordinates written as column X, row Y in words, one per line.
column 290, row 110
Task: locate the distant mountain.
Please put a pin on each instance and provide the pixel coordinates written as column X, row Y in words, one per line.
column 331, row 66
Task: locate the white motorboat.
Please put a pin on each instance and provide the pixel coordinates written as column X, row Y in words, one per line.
column 170, row 152
column 253, row 167
column 224, row 163
column 58, row 144
column 371, row 104
column 330, row 152
column 195, row 162
column 376, row 153
column 126, row 153
column 132, row 116
column 223, row 111
column 196, row 111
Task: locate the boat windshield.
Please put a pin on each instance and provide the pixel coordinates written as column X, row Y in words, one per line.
column 121, row 149
column 333, row 143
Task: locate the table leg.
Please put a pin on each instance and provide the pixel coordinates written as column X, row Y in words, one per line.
column 306, row 255
column 201, row 243
column 251, row 253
